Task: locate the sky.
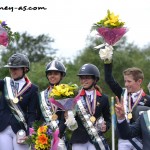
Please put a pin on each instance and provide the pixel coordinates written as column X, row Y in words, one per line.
column 69, row 21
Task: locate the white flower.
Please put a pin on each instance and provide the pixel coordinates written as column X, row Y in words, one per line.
column 71, row 122
column 2, row 47
column 106, row 53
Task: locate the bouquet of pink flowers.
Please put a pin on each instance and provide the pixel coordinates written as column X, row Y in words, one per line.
column 3, row 34
column 110, row 28
column 6, row 35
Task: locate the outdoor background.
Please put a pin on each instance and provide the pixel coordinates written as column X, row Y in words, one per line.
column 62, row 32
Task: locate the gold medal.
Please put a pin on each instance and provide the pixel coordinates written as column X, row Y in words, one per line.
column 92, row 119
column 54, row 117
column 15, row 100
column 129, row 115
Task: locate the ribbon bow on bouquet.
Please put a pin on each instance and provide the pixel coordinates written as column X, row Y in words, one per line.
column 105, row 53
column 111, row 30
column 71, row 122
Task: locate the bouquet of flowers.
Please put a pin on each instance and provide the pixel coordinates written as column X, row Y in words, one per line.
column 40, row 137
column 111, row 29
column 65, row 96
column 6, row 35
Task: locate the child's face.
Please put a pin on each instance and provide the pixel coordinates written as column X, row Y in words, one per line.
column 16, row 72
column 86, row 81
column 132, row 85
column 54, row 77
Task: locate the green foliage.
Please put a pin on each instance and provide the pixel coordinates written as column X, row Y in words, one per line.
column 37, row 75
column 36, row 48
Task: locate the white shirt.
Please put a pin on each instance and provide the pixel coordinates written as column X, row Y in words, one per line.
column 90, row 93
column 21, row 83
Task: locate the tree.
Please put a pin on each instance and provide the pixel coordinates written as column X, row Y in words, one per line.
column 36, row 48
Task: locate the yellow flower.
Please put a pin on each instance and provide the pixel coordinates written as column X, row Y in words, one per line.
column 64, row 91
column 42, row 129
column 55, row 92
column 110, row 21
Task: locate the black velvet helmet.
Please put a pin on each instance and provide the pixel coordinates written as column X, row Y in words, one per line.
column 18, row 60
column 55, row 66
column 89, row 69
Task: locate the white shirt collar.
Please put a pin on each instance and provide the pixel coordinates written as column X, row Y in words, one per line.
column 21, row 83
column 91, row 93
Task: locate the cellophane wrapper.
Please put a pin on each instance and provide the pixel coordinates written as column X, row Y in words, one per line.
column 64, row 104
column 111, row 35
column 3, row 37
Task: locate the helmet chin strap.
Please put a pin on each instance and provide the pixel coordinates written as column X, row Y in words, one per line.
column 21, row 76
column 90, row 87
column 18, row 78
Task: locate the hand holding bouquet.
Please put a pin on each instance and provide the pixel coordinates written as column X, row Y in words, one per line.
column 111, row 30
column 64, row 96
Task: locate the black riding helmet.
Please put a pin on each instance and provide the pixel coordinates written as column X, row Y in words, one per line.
column 18, row 60
column 55, row 66
column 89, row 69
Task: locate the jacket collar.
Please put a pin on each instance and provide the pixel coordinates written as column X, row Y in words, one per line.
column 82, row 93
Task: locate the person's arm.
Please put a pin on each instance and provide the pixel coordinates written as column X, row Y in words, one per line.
column 106, row 113
column 33, row 106
column 109, row 79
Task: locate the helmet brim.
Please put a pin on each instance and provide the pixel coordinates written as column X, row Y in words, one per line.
column 8, row 66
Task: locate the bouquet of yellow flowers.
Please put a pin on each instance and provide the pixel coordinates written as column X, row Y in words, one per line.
column 63, row 95
column 110, row 28
column 40, row 137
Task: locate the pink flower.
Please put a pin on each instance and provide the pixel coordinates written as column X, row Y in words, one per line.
column 3, row 37
column 31, row 131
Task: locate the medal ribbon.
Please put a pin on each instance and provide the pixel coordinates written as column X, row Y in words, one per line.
column 16, row 110
column 25, row 88
column 136, row 102
column 46, row 110
column 92, row 107
column 97, row 141
column 54, row 108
